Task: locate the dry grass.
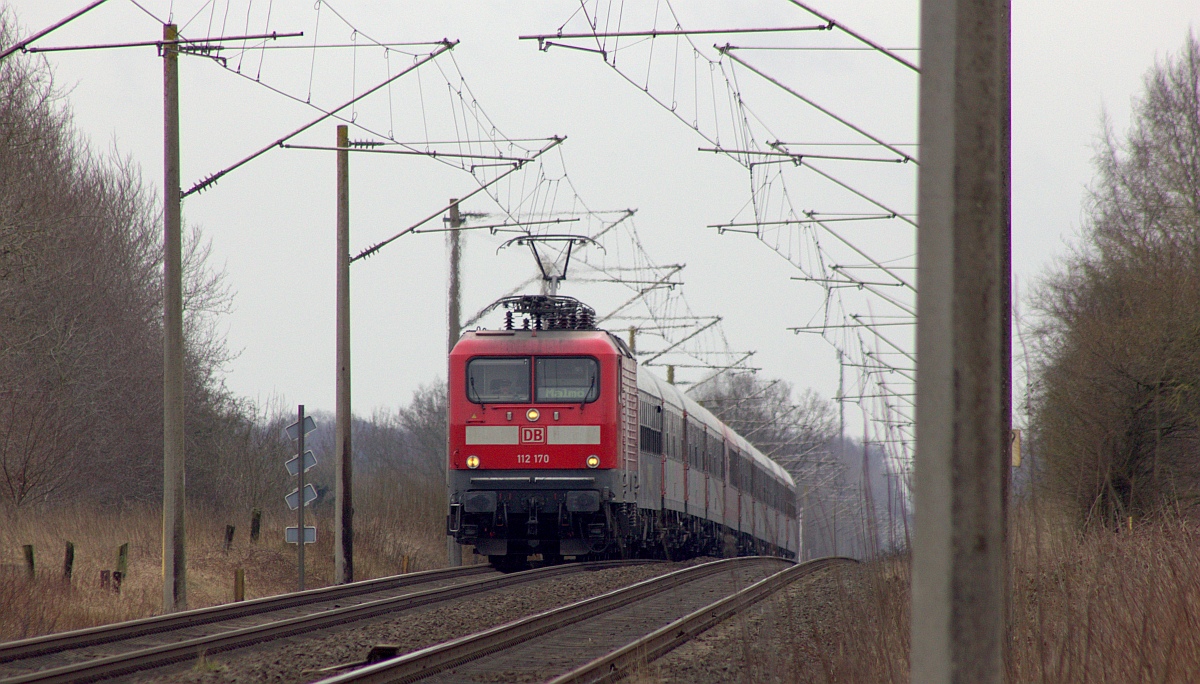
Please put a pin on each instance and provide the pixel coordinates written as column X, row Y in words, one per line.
column 1097, row 607
column 1100, row 606
column 392, row 522
column 864, row 635
column 1105, row 606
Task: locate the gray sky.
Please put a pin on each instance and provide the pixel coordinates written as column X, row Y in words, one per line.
column 271, row 223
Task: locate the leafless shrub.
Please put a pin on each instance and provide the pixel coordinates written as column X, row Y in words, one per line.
column 1117, row 401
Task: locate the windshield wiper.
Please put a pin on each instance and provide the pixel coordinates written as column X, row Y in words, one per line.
column 588, row 393
column 475, row 391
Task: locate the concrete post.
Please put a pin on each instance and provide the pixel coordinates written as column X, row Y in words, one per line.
column 343, row 524
column 174, row 562
column 963, row 346
column 454, row 329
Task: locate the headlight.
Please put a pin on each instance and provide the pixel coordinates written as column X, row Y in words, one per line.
column 472, row 462
column 532, row 415
column 593, row 461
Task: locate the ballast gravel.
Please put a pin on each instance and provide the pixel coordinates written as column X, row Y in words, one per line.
column 772, row 642
column 305, row 658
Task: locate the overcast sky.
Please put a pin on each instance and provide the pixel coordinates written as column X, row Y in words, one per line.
column 272, row 222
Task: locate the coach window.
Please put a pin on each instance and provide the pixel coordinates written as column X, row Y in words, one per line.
column 563, row 379
column 493, row 380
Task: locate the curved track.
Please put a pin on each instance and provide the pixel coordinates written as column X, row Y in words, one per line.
column 546, row 645
column 124, row 648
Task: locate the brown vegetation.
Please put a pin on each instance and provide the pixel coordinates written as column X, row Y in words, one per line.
column 1116, row 406
column 1095, row 606
column 81, row 402
column 80, row 313
column 395, row 519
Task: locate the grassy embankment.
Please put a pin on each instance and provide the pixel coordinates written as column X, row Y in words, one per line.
column 1099, row 606
column 390, row 524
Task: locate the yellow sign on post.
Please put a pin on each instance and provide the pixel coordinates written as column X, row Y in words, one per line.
column 1016, row 448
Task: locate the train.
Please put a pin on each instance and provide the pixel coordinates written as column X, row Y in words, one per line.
column 561, row 446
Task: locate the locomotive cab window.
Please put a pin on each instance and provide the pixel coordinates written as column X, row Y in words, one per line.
column 498, row 380
column 566, row 379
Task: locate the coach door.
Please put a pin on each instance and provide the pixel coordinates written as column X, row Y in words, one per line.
column 731, row 488
column 714, row 459
column 650, row 452
column 674, row 459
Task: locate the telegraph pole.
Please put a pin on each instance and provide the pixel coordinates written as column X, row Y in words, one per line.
column 963, row 344
column 174, row 561
column 454, row 329
column 343, row 542
column 454, row 306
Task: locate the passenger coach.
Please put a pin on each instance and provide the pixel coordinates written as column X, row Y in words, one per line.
column 561, row 445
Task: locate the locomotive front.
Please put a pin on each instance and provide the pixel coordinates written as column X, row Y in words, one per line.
column 534, row 443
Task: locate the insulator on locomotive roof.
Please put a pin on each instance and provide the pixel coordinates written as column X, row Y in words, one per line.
column 549, row 312
column 508, row 322
column 525, row 325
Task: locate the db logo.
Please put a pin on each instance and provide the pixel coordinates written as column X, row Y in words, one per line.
column 533, row 435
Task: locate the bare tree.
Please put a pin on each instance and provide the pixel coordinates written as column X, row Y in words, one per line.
column 1117, row 410
column 80, row 309
column 764, row 412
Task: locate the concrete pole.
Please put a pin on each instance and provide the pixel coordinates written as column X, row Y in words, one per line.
column 963, row 346
column 343, row 525
column 454, row 303
column 174, row 560
column 453, row 331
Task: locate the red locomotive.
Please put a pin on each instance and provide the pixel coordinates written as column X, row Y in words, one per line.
column 561, row 445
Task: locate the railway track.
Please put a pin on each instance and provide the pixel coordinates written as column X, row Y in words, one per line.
column 590, row 640
column 616, row 664
column 139, row 645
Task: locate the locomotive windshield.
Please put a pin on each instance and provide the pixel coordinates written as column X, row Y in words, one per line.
column 498, row 381
column 567, row 379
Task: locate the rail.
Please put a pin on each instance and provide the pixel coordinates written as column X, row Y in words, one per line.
column 435, row 659
column 618, row 663
column 65, row 641
column 167, row 654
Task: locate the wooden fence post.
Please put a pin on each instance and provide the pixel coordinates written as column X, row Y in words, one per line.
column 122, row 567
column 29, row 565
column 69, row 561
